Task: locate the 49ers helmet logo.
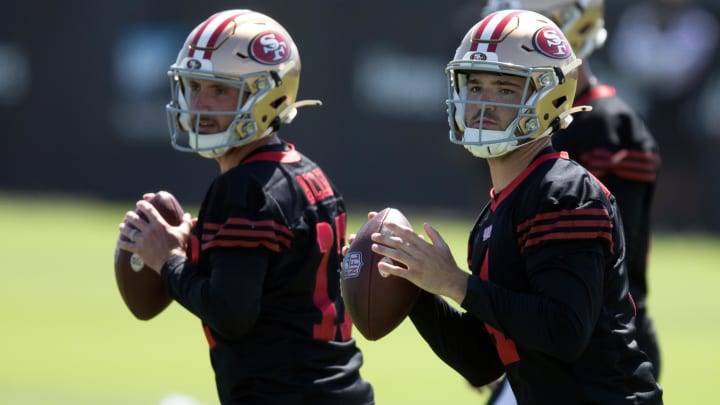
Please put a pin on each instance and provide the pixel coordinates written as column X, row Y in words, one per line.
column 551, row 42
column 269, row 48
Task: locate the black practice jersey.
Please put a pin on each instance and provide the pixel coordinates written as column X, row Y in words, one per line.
column 263, row 278
column 547, row 302
column 614, row 144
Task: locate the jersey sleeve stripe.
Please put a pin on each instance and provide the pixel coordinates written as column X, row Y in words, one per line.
column 555, row 215
column 241, row 232
column 270, row 245
column 246, row 223
column 583, row 223
column 574, row 235
column 569, row 223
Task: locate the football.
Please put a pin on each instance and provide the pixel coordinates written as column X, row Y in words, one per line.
column 376, row 304
column 141, row 288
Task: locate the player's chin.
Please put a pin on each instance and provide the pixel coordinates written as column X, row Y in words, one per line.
column 208, row 129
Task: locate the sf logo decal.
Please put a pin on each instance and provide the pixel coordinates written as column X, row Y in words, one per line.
column 269, row 48
column 551, row 42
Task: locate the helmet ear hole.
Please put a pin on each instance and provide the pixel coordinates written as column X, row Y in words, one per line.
column 559, row 101
column 275, row 104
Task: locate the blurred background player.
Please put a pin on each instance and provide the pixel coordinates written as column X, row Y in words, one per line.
column 548, row 301
column 612, row 142
column 671, row 94
column 667, row 92
column 260, row 265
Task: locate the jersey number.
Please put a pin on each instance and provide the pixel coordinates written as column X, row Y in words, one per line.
column 327, row 329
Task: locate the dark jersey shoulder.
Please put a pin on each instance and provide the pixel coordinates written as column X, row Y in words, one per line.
column 558, row 200
column 266, row 199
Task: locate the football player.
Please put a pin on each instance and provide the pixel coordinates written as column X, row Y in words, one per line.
column 612, row 142
column 259, row 266
column 547, row 301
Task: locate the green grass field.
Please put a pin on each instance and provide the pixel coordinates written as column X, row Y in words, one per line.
column 67, row 337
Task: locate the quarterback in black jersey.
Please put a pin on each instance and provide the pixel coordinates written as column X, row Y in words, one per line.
column 547, row 301
column 259, row 266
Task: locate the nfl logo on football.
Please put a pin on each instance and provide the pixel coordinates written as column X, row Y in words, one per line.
column 352, row 264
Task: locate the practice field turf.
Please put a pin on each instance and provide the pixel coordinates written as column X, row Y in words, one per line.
column 67, row 337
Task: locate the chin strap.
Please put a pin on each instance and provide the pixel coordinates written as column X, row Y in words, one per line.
column 577, row 108
column 305, row 103
column 289, row 114
column 565, row 118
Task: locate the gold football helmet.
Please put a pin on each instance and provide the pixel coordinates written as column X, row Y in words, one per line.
column 240, row 48
column 582, row 21
column 518, row 43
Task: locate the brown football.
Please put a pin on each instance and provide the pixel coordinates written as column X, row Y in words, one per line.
column 140, row 287
column 376, row 304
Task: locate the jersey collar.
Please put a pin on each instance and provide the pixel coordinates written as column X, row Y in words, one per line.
column 546, row 154
column 281, row 153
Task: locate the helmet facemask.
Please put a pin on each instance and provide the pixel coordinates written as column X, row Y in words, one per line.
column 250, row 52
column 531, row 118
column 531, row 50
column 184, row 121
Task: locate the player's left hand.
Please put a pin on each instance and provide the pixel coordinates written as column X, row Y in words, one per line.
column 430, row 265
column 155, row 240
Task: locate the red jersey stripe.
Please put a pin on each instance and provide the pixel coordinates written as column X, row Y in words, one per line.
column 568, row 236
column 226, row 233
column 569, row 223
column 275, row 247
column 235, row 222
column 583, row 223
column 547, row 216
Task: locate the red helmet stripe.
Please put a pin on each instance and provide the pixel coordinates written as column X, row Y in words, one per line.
column 198, row 33
column 491, row 29
column 208, row 33
column 478, row 33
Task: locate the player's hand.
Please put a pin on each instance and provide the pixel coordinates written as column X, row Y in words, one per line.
column 429, row 265
column 155, row 240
